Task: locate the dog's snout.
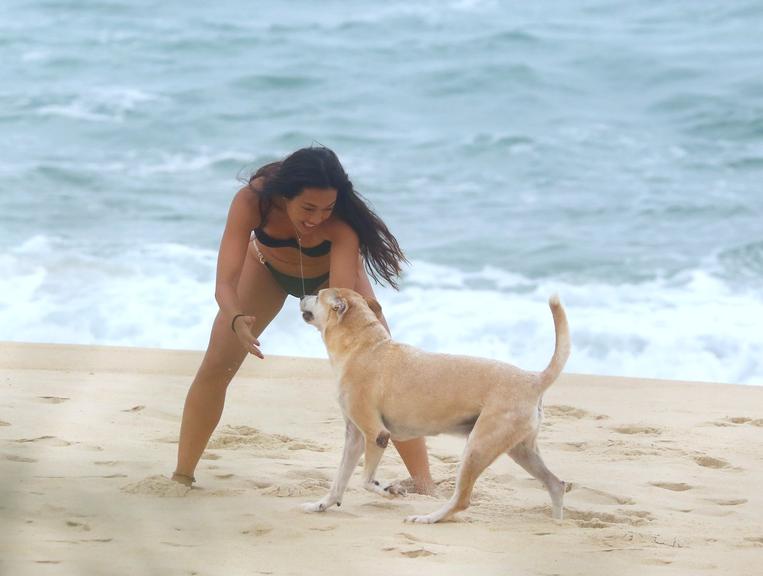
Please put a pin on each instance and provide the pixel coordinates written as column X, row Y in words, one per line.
column 307, row 316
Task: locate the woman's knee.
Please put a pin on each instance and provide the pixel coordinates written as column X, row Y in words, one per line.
column 218, row 371
column 223, row 359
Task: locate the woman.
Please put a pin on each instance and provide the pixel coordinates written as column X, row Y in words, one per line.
column 311, row 231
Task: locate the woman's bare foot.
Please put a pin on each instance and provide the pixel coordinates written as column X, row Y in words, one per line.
column 183, row 479
column 426, row 487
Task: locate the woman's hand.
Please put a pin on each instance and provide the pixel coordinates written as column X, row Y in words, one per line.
column 243, row 326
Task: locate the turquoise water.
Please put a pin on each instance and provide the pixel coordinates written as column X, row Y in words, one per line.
column 613, row 154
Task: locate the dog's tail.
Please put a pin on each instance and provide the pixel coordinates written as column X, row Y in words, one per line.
column 562, row 349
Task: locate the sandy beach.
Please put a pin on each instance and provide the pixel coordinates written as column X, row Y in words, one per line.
column 666, row 478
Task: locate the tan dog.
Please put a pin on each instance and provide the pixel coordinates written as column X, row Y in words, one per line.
column 392, row 390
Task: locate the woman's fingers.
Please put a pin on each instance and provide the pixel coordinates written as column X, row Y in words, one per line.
column 256, row 351
column 251, row 338
column 253, row 342
column 247, row 338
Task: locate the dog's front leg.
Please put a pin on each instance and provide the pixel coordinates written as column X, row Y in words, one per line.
column 353, row 448
column 375, row 445
column 367, row 417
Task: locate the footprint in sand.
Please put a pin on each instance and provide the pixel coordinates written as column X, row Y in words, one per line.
column 15, row 458
column 674, row 486
column 232, row 437
column 326, row 528
column 409, row 537
column 727, row 502
column 157, row 486
column 571, row 446
column 657, row 562
column 257, row 530
column 563, row 412
column 4, row 423
column 97, row 540
column 593, row 496
column 738, row 420
column 44, row 440
column 79, row 525
column 636, row 429
column 596, row 519
column 410, row 551
column 53, row 399
column 178, row 545
column 308, row 487
column 416, row 552
column 710, row 462
column 138, row 408
column 413, row 547
column 381, row 505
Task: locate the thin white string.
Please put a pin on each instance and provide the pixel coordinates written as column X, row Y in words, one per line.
column 301, row 269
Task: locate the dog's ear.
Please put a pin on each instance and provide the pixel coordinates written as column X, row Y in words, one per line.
column 339, row 305
column 375, row 307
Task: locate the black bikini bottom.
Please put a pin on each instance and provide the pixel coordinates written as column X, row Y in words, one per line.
column 293, row 285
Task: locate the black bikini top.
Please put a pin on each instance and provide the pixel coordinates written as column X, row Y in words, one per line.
column 314, row 251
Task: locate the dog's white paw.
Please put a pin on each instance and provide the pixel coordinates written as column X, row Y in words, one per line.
column 319, row 506
column 396, row 489
column 376, row 488
column 420, row 519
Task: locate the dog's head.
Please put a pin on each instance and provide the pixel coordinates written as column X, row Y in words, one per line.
column 334, row 306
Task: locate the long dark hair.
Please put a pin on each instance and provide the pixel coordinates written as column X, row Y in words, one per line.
column 319, row 167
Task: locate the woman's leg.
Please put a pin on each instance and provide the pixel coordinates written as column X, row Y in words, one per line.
column 413, row 452
column 260, row 296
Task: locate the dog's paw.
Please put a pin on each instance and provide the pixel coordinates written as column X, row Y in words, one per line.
column 420, row 519
column 396, row 489
column 376, row 488
column 319, row 506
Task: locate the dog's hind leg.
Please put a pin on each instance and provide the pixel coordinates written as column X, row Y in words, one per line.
column 490, row 437
column 526, row 454
column 353, row 448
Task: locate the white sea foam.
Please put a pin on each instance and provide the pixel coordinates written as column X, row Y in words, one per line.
column 161, row 295
column 693, row 328
column 104, row 104
column 76, row 110
column 183, row 163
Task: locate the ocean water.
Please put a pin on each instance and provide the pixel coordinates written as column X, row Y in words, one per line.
column 611, row 153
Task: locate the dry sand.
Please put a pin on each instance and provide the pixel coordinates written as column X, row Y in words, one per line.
column 667, row 478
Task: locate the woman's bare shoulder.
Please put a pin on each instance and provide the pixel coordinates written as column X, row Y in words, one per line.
column 246, row 203
column 339, row 231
